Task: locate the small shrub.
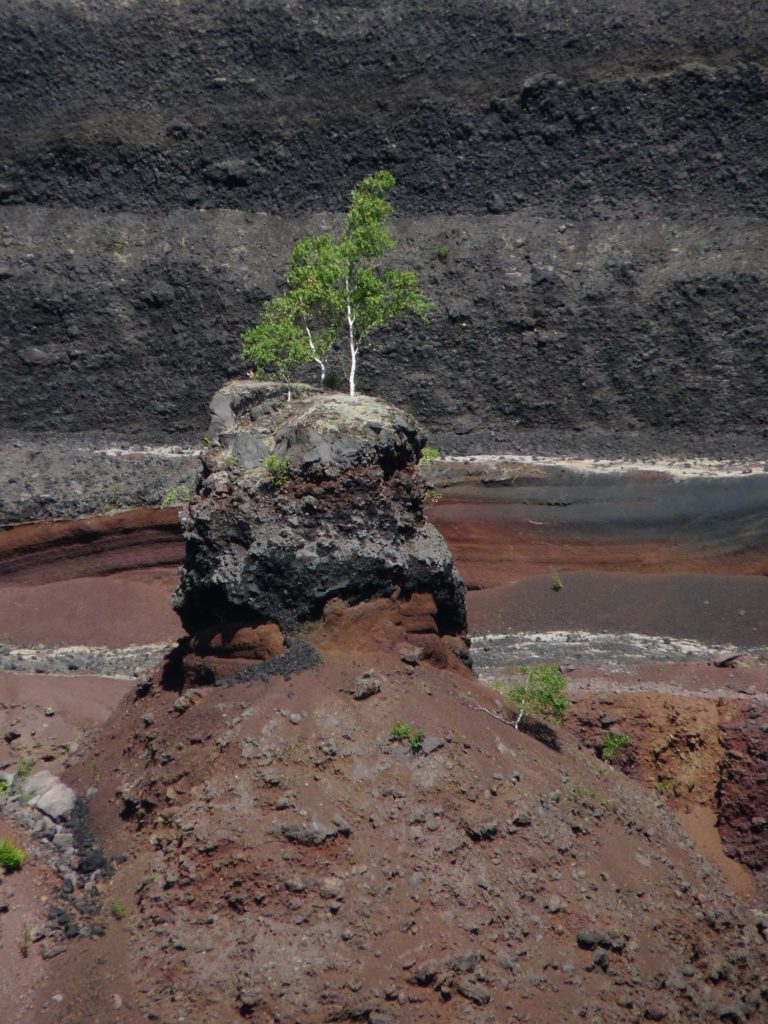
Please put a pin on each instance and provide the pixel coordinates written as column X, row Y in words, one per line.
column 114, row 498
column 24, row 769
column 118, row 910
column 176, row 496
column 11, row 856
column 231, row 460
column 278, row 469
column 613, row 742
column 432, row 497
column 412, row 735
column 557, row 583
column 441, row 252
column 542, row 694
column 3, row 786
column 114, row 244
column 428, row 455
column 207, row 442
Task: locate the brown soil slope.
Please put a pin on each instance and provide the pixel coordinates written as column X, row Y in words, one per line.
column 288, row 861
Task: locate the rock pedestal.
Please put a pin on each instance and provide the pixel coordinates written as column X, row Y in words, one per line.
column 306, row 499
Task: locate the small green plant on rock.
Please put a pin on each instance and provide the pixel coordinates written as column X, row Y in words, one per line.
column 432, row 497
column 428, row 455
column 118, row 910
column 178, row 495
column 114, row 244
column 231, row 460
column 542, row 693
column 412, row 735
column 24, row 768
column 11, row 856
column 278, row 469
column 557, row 583
column 613, row 743
column 3, row 786
column 114, row 498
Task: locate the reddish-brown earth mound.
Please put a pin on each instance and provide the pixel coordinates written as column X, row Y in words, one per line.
column 286, row 859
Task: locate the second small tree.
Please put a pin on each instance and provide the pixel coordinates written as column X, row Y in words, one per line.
column 338, row 295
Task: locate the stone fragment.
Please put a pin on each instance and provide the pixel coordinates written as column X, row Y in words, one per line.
column 431, row 743
column 49, row 794
column 476, row 993
column 589, row 938
column 478, row 831
column 366, row 685
column 312, row 834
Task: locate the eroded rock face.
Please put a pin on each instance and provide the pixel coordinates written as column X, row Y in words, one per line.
column 742, row 814
column 339, row 515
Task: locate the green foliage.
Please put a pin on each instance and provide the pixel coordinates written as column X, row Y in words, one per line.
column 413, row 735
column 557, row 583
column 114, row 498
column 24, row 768
column 231, row 460
column 3, row 786
column 441, row 252
column 11, row 856
column 613, row 743
column 114, row 244
column 118, row 910
column 428, row 455
column 178, row 495
column 432, row 497
column 542, row 694
column 667, row 787
column 276, row 346
column 336, row 291
column 279, row 470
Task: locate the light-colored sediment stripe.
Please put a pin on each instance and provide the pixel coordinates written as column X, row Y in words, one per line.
column 114, row 662
column 161, row 451
column 679, row 469
column 610, row 648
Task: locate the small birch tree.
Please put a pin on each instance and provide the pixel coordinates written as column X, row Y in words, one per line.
column 542, row 693
column 338, row 294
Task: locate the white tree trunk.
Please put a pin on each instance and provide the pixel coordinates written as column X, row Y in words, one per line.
column 352, row 369
column 315, row 356
column 352, row 346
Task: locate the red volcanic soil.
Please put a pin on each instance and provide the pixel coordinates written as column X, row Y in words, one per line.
column 287, row 860
column 93, row 546
column 44, row 716
column 99, row 581
column 131, row 607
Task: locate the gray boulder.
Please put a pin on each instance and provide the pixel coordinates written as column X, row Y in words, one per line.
column 347, row 522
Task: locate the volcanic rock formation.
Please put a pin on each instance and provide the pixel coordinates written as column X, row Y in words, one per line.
column 304, row 500
column 351, row 829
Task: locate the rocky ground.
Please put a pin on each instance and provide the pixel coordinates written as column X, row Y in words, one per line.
column 492, row 878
